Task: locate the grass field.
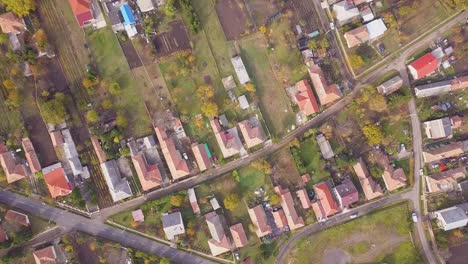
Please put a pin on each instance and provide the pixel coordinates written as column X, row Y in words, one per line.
column 309, row 153
column 11, row 120
column 383, row 236
column 278, row 115
column 112, row 65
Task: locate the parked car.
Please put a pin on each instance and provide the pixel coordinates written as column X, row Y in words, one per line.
column 353, row 216
column 421, row 172
column 414, row 217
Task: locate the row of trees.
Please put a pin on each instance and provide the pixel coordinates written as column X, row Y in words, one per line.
column 206, row 95
column 188, row 12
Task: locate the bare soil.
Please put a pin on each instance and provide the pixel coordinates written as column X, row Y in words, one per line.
column 172, row 41
column 131, row 54
column 233, row 17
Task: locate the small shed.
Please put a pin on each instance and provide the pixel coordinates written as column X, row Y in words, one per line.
column 243, row 103
column 214, row 203
column 138, row 216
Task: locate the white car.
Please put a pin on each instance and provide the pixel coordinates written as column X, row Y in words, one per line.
column 353, row 216
column 421, row 172
column 414, row 217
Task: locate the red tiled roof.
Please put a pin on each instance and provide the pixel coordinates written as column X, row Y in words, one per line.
column 177, row 165
column 459, row 83
column 326, row 93
column 305, row 98
column 11, row 23
column 57, row 138
column 17, row 217
column 287, row 203
column 13, row 171
column 238, row 235
column 45, row 256
column 259, row 220
column 280, row 218
column 347, row 193
column 201, row 157
column 252, row 132
column 98, row 149
column 149, row 176
column 81, row 10
column 424, row 65
column 325, row 201
column 57, row 183
column 304, row 198
column 31, row 155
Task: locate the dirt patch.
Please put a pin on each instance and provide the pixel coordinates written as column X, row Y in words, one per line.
column 41, row 140
column 459, row 254
column 305, row 15
column 336, row 256
column 130, row 54
column 262, row 10
column 233, row 18
column 172, row 41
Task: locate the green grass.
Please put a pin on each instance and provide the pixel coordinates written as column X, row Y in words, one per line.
column 11, row 120
column 112, row 65
column 278, row 115
column 310, row 155
column 355, row 237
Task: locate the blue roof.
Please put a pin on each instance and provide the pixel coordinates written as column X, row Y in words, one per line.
column 127, row 14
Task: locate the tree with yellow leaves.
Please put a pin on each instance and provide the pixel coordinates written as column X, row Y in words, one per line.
column 250, row 87
column 210, row 109
column 205, row 92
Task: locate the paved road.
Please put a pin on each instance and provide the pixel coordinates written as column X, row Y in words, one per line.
column 70, row 221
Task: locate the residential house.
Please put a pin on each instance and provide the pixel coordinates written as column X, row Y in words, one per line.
column 173, row 225
column 432, row 89
column 445, row 181
column 178, row 167
column 445, row 151
column 98, row 149
column 456, row 121
column 17, row 217
column 56, row 180
column 325, row 147
column 113, row 13
column 423, row 66
column 252, row 131
column 345, row 12
column 376, row 29
column 327, row 94
column 346, row 193
column 287, row 204
column 145, row 5
column 259, row 220
column 14, row 170
column 238, row 235
column 228, row 140
column 13, row 26
column 145, row 159
column 57, row 138
column 129, row 20
column 357, row 36
column 118, row 187
column 202, row 156
column 219, row 243
column 45, row 256
column 438, row 128
column 279, row 217
column 459, row 83
column 390, row 86
column 324, row 204
column 451, row 218
column 241, row 72
column 371, row 189
column 71, row 156
column 305, row 99
column 229, row 83
column 193, row 201
column 393, row 179
column 367, row 14
column 138, row 216
column 82, row 11
column 31, row 155
column 303, row 198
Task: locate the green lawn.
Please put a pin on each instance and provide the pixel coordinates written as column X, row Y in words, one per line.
column 278, row 115
column 382, row 236
column 310, row 154
column 11, row 120
column 112, row 65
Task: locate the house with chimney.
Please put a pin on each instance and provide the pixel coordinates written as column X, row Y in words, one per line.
column 17, row 218
column 14, row 27
column 238, row 235
column 219, row 243
column 393, row 178
column 390, row 86
column 47, row 255
column 324, row 205
column 14, row 170
column 178, row 166
column 119, row 187
column 252, row 132
column 31, row 156
column 259, row 220
column 445, row 151
column 302, row 95
column 441, row 127
column 173, row 225
column 228, row 139
column 202, row 155
column 327, row 94
column 346, row 193
column 287, row 204
column 423, row 66
column 445, row 181
column 56, row 180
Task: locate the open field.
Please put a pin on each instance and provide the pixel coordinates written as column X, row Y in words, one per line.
column 112, row 65
column 232, row 15
column 279, row 115
column 383, row 236
column 172, row 41
column 309, row 153
column 130, row 54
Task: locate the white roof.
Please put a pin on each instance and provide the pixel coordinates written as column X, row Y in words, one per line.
column 325, row 147
column 239, row 67
column 244, row 104
column 438, row 53
column 173, row 224
column 376, row 28
column 214, row 203
column 145, row 5
column 131, row 30
column 367, row 15
column 192, row 196
column 118, row 187
column 344, row 11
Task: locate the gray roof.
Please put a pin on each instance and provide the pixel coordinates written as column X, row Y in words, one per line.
column 244, row 104
column 215, row 226
column 325, row 147
column 118, row 186
column 453, row 214
column 390, row 86
column 173, row 219
column 346, row 188
column 145, row 5
column 432, row 89
column 438, row 128
column 241, row 72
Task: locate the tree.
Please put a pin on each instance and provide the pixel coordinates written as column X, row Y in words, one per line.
column 115, row 89
column 263, row 29
column 9, row 85
column 164, row 261
column 121, row 120
column 324, row 43
column 390, row 20
column 92, row 116
column 210, row 109
column 176, row 200
column 169, row 8
column 356, row 61
column 404, row 10
column 376, row 171
column 53, row 110
column 373, row 134
column 377, row 103
column 41, row 38
column 106, row 104
column 231, row 202
column 366, row 52
column 205, row 92
column 313, row 44
column 3, row 38
column 262, row 165
column 89, row 82
column 250, row 87
column 20, row 7
column 275, row 199
column 125, row 152
column 236, row 176
column 199, row 122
